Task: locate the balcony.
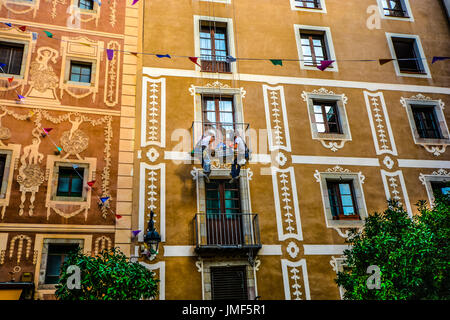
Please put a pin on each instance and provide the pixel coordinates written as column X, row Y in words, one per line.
column 228, row 233
column 212, row 63
column 224, row 133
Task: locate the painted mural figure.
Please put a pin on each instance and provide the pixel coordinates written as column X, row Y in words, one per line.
column 74, row 141
column 30, row 175
column 5, row 133
column 43, row 80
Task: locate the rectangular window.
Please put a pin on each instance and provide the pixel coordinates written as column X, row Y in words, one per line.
column 407, row 55
column 440, row 187
column 218, row 114
column 224, row 225
column 311, row 4
column 342, row 200
column 57, row 254
column 80, row 71
column 394, row 8
column 86, row 4
column 70, row 182
column 313, row 47
column 214, row 46
column 326, row 117
column 229, row 283
column 2, row 168
column 426, row 122
column 11, row 54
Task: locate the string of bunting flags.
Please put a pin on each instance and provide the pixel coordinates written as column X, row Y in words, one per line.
column 324, row 64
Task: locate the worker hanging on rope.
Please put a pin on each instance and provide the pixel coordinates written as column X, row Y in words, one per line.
column 241, row 156
column 207, row 146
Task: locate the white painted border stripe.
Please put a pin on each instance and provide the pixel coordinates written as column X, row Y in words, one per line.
column 372, row 86
column 434, row 164
column 162, row 276
column 349, row 161
column 188, row 251
column 319, row 249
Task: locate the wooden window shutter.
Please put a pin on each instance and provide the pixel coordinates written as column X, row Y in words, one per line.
column 229, row 283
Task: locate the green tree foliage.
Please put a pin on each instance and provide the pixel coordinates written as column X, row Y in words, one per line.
column 107, row 276
column 413, row 254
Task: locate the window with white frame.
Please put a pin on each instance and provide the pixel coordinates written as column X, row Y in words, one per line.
column 69, row 181
column 13, row 56
column 427, row 121
column 314, row 45
column 343, row 198
column 410, row 60
column 308, row 5
column 437, row 183
column 395, row 9
column 328, row 117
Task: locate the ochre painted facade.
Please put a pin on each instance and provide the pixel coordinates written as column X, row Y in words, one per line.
column 284, row 183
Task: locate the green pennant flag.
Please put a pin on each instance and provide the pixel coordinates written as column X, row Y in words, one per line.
column 49, row 34
column 276, row 62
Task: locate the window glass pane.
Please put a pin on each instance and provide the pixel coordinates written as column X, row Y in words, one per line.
column 225, row 106
column 344, row 188
column 321, row 128
column 205, row 43
column 53, row 265
column 319, row 117
column 220, row 45
column 317, row 109
column 318, row 51
column 226, row 117
column 63, row 184
column 347, row 200
column 348, row 211
column 220, row 36
column 306, row 50
column 317, row 43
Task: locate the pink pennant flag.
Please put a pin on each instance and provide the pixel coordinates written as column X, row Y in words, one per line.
column 110, row 53
column 47, row 130
column 325, row 64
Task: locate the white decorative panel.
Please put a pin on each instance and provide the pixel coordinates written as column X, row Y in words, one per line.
column 286, row 204
column 160, row 273
column 383, row 138
column 295, row 280
column 276, row 117
column 153, row 121
column 152, row 197
column 395, row 188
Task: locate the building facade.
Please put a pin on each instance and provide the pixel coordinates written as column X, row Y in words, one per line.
column 67, row 99
column 328, row 148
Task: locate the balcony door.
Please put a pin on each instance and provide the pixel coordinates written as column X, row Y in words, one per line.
column 223, row 213
column 218, row 115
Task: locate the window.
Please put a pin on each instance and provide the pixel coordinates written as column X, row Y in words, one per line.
column 229, row 283
column 426, row 122
column 80, row 71
column 57, row 254
column 313, row 48
column 312, row 4
column 440, row 187
column 314, row 45
column 214, row 47
column 409, row 59
column 342, row 200
column 86, row 4
column 11, row 54
column 394, row 8
column 223, row 213
column 218, row 114
column 2, row 169
column 70, row 182
column 326, row 117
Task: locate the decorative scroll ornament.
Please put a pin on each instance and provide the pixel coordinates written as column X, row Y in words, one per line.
column 30, row 175
column 440, row 172
column 333, row 145
column 111, row 97
column 27, row 6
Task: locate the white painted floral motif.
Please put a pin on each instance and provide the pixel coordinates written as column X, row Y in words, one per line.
column 388, row 162
column 292, row 249
column 281, row 159
column 152, row 154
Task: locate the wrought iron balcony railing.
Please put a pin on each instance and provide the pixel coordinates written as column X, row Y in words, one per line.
column 226, row 232
column 224, row 133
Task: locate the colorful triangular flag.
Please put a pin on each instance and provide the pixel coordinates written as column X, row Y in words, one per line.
column 435, row 59
column 194, row 60
column 118, row 216
column 75, row 166
column 20, row 97
column 23, row 28
column 104, row 199
column 91, row 183
column 163, row 56
column 135, row 232
column 10, row 79
column 276, row 62
column 134, row 2
column 8, row 24
column 49, row 34
column 384, row 61
column 325, row 64
column 110, row 53
column 231, row 59
column 35, row 35
column 47, row 130
column 2, row 65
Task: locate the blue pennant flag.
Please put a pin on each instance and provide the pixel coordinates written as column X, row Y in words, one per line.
column 163, row 56
column 2, row 65
column 435, row 59
column 231, row 59
column 8, row 24
column 75, row 166
column 104, row 199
